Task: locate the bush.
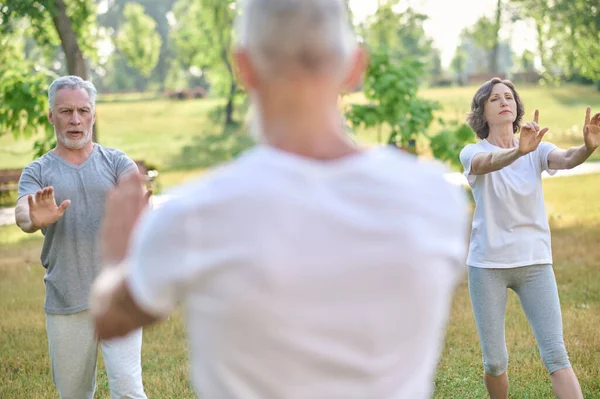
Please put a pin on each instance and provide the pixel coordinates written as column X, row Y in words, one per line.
column 447, row 144
column 391, row 89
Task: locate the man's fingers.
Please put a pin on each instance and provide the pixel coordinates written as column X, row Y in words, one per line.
column 536, row 127
column 63, row 207
column 38, row 195
column 133, row 184
column 596, row 119
column 147, row 196
column 30, row 201
column 49, row 193
column 130, row 178
column 536, row 116
column 588, row 112
column 542, row 132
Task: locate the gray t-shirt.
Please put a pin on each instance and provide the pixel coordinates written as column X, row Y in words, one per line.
column 70, row 252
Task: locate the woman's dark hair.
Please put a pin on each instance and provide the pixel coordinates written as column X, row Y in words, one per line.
column 477, row 121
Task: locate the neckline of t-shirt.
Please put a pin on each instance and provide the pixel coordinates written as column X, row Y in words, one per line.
column 81, row 165
column 495, row 146
column 296, row 161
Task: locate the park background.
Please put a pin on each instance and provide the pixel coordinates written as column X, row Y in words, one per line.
column 168, row 98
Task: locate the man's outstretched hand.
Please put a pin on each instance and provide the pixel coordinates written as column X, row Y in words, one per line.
column 124, row 205
column 43, row 210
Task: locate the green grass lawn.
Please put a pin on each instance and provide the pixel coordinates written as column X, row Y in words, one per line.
column 181, row 137
column 572, row 206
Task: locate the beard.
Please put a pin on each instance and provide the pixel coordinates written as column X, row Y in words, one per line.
column 74, row 144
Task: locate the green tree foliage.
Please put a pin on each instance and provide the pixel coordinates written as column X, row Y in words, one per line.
column 437, row 70
column 527, row 61
column 113, row 19
column 481, row 41
column 138, row 40
column 568, row 35
column 401, row 34
column 391, row 90
column 22, row 93
column 484, row 34
column 447, row 144
column 23, row 81
column 459, row 63
column 203, row 37
column 53, row 23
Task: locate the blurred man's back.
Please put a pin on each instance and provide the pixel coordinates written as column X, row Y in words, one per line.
column 310, row 268
column 311, row 279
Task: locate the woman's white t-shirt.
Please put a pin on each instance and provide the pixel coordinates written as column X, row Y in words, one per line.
column 510, row 226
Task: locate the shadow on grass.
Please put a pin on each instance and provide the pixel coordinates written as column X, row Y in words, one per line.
column 213, row 147
column 578, row 98
column 573, row 101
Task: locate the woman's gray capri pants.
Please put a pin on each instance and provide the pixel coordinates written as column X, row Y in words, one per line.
column 537, row 291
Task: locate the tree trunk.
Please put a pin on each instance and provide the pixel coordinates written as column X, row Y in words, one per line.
column 494, row 55
column 68, row 39
column 573, row 26
column 232, row 89
column 540, row 40
column 229, row 106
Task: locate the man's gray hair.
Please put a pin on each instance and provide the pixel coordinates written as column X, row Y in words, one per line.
column 309, row 34
column 71, row 82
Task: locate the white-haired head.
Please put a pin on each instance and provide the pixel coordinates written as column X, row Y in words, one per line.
column 71, row 82
column 312, row 35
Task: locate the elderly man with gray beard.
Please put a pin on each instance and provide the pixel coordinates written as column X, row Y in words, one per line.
column 62, row 194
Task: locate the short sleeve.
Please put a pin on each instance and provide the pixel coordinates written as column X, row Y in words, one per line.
column 174, row 250
column 30, row 181
column 544, row 149
column 124, row 165
column 160, row 261
column 457, row 229
column 466, row 157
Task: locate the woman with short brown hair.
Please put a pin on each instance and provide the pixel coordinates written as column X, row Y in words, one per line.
column 510, row 239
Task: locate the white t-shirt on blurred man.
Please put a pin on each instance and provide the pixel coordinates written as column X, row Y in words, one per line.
column 308, row 279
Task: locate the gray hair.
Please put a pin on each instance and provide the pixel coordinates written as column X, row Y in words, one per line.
column 71, row 82
column 313, row 35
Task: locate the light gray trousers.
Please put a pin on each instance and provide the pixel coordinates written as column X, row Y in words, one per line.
column 537, row 291
column 74, row 353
